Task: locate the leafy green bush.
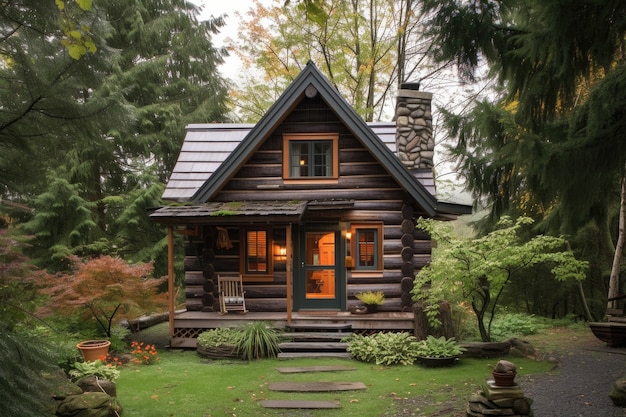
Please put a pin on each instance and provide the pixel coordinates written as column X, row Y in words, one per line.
column 96, row 368
column 217, row 337
column 514, row 325
column 384, row 348
column 439, row 347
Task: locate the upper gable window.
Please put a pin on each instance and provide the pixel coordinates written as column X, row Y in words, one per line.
column 310, row 156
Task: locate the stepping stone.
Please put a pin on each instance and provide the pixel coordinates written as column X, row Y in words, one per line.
column 301, row 369
column 315, row 386
column 299, row 404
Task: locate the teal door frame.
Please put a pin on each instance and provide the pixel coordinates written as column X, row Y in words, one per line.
column 301, row 268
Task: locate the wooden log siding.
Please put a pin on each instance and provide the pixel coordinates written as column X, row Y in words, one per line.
column 377, row 198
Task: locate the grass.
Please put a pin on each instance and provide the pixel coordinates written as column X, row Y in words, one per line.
column 184, row 385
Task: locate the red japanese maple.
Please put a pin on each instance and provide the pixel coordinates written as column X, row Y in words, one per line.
column 108, row 289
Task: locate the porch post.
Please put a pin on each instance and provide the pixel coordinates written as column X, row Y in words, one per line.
column 170, row 277
column 289, row 274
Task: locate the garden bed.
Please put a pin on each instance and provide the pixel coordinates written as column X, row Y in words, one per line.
column 218, row 352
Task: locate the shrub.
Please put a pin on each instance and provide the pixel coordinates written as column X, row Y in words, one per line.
column 439, row 347
column 515, row 324
column 217, row 337
column 384, row 348
column 145, row 354
column 96, row 368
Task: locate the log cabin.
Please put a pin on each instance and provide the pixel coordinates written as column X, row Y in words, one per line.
column 311, row 206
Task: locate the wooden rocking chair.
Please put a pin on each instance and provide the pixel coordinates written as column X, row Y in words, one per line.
column 231, row 294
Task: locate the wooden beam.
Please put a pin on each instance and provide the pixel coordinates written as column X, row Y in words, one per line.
column 170, row 277
column 289, row 245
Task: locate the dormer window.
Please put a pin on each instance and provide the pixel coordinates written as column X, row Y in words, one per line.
column 310, row 156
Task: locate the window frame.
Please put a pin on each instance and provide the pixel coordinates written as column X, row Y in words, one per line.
column 288, row 139
column 378, row 266
column 248, row 275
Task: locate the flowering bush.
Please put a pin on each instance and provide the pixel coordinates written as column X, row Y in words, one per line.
column 145, row 354
column 111, row 360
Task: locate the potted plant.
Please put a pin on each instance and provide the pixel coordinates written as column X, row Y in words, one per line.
column 371, row 299
column 504, row 373
column 94, row 349
column 249, row 341
column 438, row 351
column 218, row 343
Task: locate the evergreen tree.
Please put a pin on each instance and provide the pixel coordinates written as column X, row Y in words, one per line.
column 47, row 96
column 561, row 66
column 553, row 145
column 110, row 133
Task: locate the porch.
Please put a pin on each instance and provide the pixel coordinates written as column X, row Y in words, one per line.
column 187, row 325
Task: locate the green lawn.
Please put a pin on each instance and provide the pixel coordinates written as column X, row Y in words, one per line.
column 184, row 385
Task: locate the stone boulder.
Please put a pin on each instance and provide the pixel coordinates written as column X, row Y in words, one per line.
column 618, row 393
column 521, row 348
column 93, row 384
column 89, row 404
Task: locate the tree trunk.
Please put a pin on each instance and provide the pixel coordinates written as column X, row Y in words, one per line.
column 619, row 247
column 422, row 328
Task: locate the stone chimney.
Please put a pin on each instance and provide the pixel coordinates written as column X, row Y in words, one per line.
column 415, row 144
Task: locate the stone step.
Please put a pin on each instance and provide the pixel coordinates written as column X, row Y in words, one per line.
column 300, row 404
column 298, row 355
column 325, row 386
column 319, row 368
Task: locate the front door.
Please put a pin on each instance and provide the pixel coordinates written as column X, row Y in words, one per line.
column 319, row 273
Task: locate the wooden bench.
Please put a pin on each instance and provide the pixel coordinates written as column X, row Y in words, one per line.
column 231, row 294
column 616, row 315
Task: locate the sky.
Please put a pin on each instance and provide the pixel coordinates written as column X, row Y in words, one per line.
column 227, row 7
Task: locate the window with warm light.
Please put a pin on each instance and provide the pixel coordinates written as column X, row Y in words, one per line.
column 367, row 244
column 256, row 253
column 310, row 156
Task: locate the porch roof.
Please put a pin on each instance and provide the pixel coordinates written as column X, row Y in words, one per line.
column 233, row 212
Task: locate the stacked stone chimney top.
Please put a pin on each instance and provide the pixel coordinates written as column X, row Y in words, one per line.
column 414, row 134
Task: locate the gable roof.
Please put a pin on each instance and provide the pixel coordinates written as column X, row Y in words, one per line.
column 206, row 146
column 234, row 144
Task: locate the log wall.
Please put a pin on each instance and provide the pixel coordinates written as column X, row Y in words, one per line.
column 377, row 198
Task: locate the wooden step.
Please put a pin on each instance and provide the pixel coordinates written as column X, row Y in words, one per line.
column 298, row 355
column 323, row 327
column 316, row 335
column 312, row 346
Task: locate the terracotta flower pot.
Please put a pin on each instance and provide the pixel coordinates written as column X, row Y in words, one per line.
column 504, row 379
column 94, row 349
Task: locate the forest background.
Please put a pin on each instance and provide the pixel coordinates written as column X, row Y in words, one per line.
column 96, row 96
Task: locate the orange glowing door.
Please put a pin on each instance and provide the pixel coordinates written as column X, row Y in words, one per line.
column 319, row 284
